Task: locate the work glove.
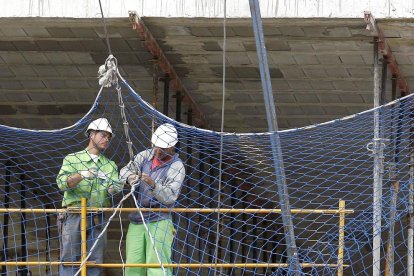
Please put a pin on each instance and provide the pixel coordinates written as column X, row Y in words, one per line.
column 102, row 175
column 89, row 174
column 133, row 179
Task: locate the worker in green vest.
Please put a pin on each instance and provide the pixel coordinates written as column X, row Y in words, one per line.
column 89, row 174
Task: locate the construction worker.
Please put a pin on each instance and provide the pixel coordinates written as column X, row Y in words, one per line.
column 89, row 174
column 157, row 174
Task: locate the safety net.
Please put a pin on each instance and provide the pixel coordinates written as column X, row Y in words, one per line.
column 227, row 219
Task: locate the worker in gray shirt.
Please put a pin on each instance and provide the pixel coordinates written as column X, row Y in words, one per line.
column 157, row 174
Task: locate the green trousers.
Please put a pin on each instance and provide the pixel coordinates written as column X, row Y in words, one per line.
column 140, row 249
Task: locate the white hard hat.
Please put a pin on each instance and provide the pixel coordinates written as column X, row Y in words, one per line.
column 165, row 136
column 100, row 124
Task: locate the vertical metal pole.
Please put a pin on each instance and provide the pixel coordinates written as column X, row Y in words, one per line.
column 166, row 95
column 154, row 90
column 83, row 234
column 47, row 245
column 378, row 169
column 189, row 171
column 254, row 245
column 5, row 229
column 210, row 205
column 178, row 100
column 341, row 239
column 384, row 76
column 410, row 234
column 201, row 171
column 178, row 106
column 274, row 138
column 265, row 244
column 23, row 253
column 232, row 225
column 155, row 83
column 177, row 146
column 389, row 263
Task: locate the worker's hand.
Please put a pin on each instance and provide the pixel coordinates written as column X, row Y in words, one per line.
column 145, row 177
column 89, row 174
column 133, row 179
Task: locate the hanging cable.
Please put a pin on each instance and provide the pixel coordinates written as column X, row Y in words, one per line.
column 108, row 77
column 104, row 229
column 105, row 29
column 221, row 144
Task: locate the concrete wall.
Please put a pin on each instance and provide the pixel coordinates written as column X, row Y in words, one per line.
column 207, row 8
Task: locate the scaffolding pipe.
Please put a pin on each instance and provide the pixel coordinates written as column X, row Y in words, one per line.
column 275, row 140
column 47, row 244
column 185, row 189
column 166, row 98
column 211, row 179
column 341, row 240
column 5, row 228
column 173, row 265
column 176, row 210
column 23, row 271
column 377, row 149
column 201, row 173
column 389, row 263
column 83, row 234
column 178, row 104
column 410, row 234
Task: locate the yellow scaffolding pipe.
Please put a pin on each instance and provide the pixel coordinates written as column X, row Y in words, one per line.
column 178, row 210
column 83, row 233
column 155, row 265
column 84, row 209
column 341, row 238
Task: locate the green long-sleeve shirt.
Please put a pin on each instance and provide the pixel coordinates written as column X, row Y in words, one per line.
column 95, row 190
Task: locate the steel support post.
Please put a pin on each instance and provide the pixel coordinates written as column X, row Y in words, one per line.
column 186, row 189
column 166, row 99
column 274, row 138
column 5, row 228
column 410, row 234
column 23, row 271
column 377, row 149
column 178, row 103
column 389, row 263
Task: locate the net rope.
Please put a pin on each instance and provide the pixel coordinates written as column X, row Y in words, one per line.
column 324, row 164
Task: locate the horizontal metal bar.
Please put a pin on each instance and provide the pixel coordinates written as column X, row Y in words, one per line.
column 200, row 265
column 178, row 210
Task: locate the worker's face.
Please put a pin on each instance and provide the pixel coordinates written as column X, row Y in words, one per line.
column 161, row 153
column 100, row 139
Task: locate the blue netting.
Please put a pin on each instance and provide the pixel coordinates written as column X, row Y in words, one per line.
column 323, row 164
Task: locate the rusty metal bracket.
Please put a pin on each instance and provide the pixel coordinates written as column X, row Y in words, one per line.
column 166, row 67
column 386, row 52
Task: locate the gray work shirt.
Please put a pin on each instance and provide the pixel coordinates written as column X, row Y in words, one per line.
column 168, row 179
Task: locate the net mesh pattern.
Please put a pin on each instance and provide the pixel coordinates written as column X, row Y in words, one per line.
column 323, row 164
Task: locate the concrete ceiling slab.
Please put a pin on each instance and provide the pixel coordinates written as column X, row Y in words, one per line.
column 321, row 69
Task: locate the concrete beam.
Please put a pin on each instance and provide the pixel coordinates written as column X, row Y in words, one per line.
column 166, row 67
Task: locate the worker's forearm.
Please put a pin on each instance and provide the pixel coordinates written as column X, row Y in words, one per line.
column 74, row 180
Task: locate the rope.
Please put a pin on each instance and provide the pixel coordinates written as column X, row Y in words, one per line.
column 221, row 143
column 105, row 30
column 107, row 225
column 108, row 76
column 151, row 237
column 104, row 230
